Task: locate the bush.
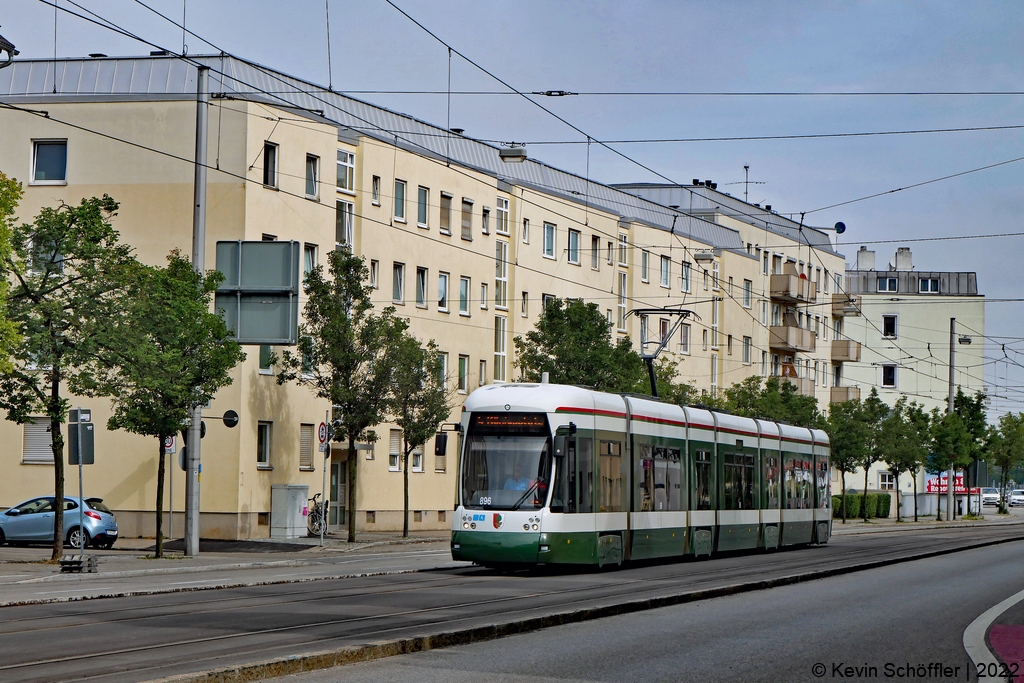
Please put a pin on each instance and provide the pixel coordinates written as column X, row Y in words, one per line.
column 884, row 505
column 870, row 505
column 836, row 512
column 852, row 506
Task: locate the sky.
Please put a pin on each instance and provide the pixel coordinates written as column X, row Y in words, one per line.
column 679, row 46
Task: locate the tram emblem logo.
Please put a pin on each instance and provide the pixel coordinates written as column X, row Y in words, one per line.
column 498, row 520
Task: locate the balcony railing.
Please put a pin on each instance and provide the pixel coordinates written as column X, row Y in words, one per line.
column 842, row 394
column 804, row 385
column 845, row 304
column 793, row 288
column 792, row 338
column 845, row 351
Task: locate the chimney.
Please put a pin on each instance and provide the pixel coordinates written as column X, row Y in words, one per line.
column 903, row 259
column 865, row 259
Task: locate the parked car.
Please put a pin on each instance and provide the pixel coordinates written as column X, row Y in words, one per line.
column 32, row 521
column 1016, row 497
column 989, row 495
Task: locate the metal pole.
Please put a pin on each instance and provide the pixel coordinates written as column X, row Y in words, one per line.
column 950, row 483
column 81, row 497
column 323, row 490
column 170, row 496
column 194, row 447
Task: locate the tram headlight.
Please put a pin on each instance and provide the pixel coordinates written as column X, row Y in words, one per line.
column 472, row 525
column 526, row 527
column 465, row 525
column 535, row 527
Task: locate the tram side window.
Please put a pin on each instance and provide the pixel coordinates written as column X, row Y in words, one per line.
column 739, row 481
column 585, row 469
column 612, row 481
column 797, row 484
column 701, row 498
column 824, row 499
column 667, row 479
column 771, row 478
column 563, row 494
column 645, row 476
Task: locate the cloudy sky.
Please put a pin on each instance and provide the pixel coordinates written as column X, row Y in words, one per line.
column 681, row 47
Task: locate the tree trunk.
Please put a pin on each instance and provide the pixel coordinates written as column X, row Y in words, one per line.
column 351, row 513
column 160, row 500
column 897, row 476
column 405, row 486
column 56, row 414
column 864, row 495
column 842, row 478
column 915, row 494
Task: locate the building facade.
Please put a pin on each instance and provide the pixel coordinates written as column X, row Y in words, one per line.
column 465, row 246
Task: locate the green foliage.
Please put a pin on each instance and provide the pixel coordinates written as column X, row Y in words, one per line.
column 10, row 195
column 848, row 442
column 772, row 399
column 852, row 507
column 952, row 443
column 1006, row 448
column 66, row 269
column 572, row 342
column 903, row 439
column 870, row 506
column 884, row 505
column 346, row 353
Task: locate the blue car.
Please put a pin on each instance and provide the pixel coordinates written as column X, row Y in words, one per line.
column 32, row 521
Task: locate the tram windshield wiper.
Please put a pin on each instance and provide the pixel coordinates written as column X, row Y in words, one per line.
column 522, row 499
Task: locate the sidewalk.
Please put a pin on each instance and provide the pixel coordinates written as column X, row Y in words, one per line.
column 858, row 526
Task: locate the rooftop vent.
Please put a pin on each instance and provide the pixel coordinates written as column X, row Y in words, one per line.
column 96, row 55
column 458, row 131
column 696, row 181
column 158, row 53
column 767, row 207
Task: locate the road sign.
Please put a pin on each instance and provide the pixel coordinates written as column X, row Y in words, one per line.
column 324, row 447
column 170, row 445
column 230, row 418
column 182, row 459
column 84, row 450
column 322, row 433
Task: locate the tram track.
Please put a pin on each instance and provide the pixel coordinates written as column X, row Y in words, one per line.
column 565, row 593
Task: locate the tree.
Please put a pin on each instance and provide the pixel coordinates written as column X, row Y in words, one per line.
column 64, row 267
column 1007, row 449
column 572, row 342
column 772, row 399
column 346, row 354
column 164, row 356
column 921, row 423
column 10, row 195
column 872, row 411
column 848, row 440
column 951, row 445
column 971, row 410
column 903, row 445
column 421, row 400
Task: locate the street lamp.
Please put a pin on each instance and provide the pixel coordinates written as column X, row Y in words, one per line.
column 8, row 47
column 513, row 154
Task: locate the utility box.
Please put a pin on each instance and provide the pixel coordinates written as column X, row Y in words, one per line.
column 288, row 509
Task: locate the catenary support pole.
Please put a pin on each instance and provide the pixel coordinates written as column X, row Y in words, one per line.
column 194, row 445
column 950, row 480
column 81, row 495
column 323, row 490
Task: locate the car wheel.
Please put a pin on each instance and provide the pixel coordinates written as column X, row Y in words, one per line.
column 3, row 539
column 75, row 539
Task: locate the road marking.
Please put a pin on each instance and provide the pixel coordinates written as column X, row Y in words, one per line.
column 974, row 636
column 76, row 590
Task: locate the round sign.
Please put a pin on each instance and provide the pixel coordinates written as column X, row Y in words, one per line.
column 230, row 418
column 322, row 433
column 168, row 442
column 840, row 228
column 182, row 459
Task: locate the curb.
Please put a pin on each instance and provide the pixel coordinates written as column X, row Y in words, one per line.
column 838, row 529
column 99, row 576
column 294, row 664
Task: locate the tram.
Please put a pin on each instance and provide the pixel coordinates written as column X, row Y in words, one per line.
column 553, row 474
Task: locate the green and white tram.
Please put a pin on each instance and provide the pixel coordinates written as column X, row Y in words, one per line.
column 553, row 474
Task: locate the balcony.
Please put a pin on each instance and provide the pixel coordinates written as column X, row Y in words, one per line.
column 793, row 289
column 804, row 385
column 843, row 394
column 792, row 338
column 845, row 304
column 845, row 351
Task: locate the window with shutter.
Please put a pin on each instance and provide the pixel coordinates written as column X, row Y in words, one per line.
column 306, row 447
column 394, row 449
column 38, row 443
column 467, row 219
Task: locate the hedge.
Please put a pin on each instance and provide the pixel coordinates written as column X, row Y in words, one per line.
column 870, row 505
column 852, row 506
column 884, row 505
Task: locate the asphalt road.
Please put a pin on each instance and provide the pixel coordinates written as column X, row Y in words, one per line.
column 148, row 637
column 856, row 627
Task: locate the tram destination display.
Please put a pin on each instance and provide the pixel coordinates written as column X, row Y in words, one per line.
column 510, row 423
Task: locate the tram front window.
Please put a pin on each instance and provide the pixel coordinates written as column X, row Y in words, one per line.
column 506, row 472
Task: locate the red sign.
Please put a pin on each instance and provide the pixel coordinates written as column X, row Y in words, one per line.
column 940, row 484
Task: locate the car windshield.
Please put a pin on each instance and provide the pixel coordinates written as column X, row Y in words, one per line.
column 1018, row 492
column 506, row 472
column 98, row 505
column 989, row 490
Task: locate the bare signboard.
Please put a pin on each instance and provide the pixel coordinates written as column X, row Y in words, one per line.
column 259, row 298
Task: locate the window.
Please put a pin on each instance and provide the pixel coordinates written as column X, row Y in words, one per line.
column 889, row 376
column 501, row 218
column 485, row 221
column 887, row 284
column 50, row 161
column 263, row 445
column 375, row 190
column 442, row 292
column 776, row 264
column 827, row 278
column 346, row 171
column 776, row 368
column 422, row 199
column 776, row 315
column 308, row 258
column 398, row 283
column 662, row 330
column 482, row 377
column 394, row 450
column 343, row 223
column 747, row 342
column 526, row 231
column 574, row 247
column 817, row 279
column 306, row 447
column 266, row 353
column 764, row 264
column 704, row 340
column 889, row 326
column 714, row 374
column 610, row 249
column 824, row 327
column 595, row 252
column 442, row 368
column 706, row 277
column 764, row 363
column 312, row 176
column 643, row 330
column 421, row 287
column 524, row 306
column 685, row 281
column 886, row 481
column 764, row 312
column 730, row 287
column 621, row 321
column 666, row 271
column 684, row 338
column 501, row 274
column 546, row 299
column 714, row 276
column 269, row 164
column 400, row 200
column 728, row 344
column 483, row 295
column 417, row 466
column 464, row 284
column 463, row 374
column 500, row 328
column 548, row 248
column 37, row 447
column 929, row 285
column 714, row 322
column 467, row 219
column 374, row 273
column 839, row 282
column 748, row 290
column 645, row 266
column 445, row 221
column 623, row 252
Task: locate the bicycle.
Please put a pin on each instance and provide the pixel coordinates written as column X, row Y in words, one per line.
column 317, row 520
